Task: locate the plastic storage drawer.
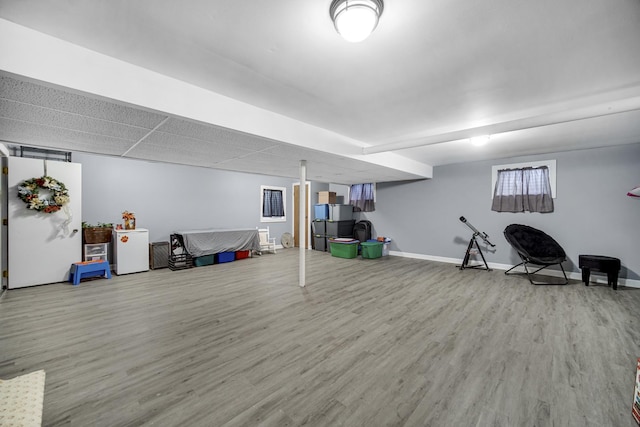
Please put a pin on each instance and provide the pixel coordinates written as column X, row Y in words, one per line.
column 319, row 227
column 96, row 251
column 320, row 243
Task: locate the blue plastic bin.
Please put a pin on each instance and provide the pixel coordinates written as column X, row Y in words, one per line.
column 322, row 211
column 225, row 257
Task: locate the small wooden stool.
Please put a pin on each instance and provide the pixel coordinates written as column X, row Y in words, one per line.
column 80, row 270
column 605, row 264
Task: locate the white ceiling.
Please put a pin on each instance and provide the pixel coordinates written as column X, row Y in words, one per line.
column 539, row 76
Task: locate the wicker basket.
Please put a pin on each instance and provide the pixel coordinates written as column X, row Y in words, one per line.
column 97, row 234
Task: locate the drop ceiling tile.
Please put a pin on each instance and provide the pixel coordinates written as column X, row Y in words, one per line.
column 19, row 132
column 212, row 133
column 29, row 113
column 263, row 164
column 163, row 157
column 37, row 115
column 269, row 170
column 59, row 99
column 169, row 147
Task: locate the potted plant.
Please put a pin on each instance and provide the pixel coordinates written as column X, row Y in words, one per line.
column 100, row 233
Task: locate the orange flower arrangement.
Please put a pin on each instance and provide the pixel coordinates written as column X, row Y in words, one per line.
column 129, row 220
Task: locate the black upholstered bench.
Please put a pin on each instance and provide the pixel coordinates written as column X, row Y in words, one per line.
column 604, row 264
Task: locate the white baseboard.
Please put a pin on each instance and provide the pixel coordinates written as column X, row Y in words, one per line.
column 576, row 275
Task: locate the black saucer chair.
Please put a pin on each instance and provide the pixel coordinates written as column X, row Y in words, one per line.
column 534, row 247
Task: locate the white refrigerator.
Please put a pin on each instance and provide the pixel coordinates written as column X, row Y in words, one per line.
column 131, row 250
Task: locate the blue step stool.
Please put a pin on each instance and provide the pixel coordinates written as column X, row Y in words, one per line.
column 82, row 270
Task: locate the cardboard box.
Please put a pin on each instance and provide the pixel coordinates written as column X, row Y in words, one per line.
column 326, row 197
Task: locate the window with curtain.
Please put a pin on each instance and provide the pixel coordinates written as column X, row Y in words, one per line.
column 272, row 203
column 363, row 197
column 523, row 189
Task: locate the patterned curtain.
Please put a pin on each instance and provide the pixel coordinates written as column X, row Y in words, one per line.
column 520, row 190
column 272, row 203
column 362, row 197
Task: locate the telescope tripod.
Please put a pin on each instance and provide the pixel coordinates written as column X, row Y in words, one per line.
column 465, row 262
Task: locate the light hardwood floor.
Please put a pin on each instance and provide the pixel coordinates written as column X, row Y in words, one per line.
column 387, row 342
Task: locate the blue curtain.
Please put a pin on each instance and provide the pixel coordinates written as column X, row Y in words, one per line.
column 272, row 203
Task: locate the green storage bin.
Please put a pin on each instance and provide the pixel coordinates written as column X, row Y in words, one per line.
column 372, row 250
column 344, row 249
column 203, row 260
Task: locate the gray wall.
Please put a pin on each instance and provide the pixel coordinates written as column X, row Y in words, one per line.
column 168, row 198
column 592, row 214
column 313, row 197
column 342, row 193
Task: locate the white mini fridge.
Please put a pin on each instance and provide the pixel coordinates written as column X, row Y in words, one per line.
column 131, row 250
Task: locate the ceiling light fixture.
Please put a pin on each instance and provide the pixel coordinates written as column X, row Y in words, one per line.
column 481, row 140
column 355, row 20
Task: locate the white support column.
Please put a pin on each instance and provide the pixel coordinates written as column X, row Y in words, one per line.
column 302, row 225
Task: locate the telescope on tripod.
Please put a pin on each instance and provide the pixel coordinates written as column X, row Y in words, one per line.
column 473, row 241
